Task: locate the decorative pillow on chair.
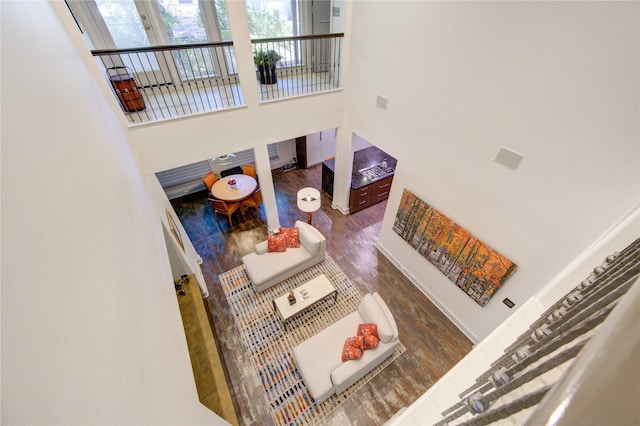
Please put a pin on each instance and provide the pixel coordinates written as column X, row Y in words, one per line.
column 352, row 348
column 276, row 243
column 291, row 237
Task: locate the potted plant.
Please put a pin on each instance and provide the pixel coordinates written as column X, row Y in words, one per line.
column 266, row 61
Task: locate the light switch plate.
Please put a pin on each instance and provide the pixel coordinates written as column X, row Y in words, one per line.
column 381, row 102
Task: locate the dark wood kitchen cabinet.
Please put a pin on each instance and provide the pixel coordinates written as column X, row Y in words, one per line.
column 370, row 194
column 328, row 168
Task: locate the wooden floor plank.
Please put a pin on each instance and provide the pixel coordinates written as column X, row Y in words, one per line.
column 434, row 344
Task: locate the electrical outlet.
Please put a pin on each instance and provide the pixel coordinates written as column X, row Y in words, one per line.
column 508, row 302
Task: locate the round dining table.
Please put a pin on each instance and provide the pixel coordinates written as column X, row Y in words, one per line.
column 244, row 186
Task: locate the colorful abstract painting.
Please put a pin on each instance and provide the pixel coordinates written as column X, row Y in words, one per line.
column 471, row 265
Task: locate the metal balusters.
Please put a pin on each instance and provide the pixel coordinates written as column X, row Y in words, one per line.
column 178, row 80
column 520, row 378
column 600, row 296
column 308, row 64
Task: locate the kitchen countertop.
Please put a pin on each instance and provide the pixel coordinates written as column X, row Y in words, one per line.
column 361, row 160
column 366, row 158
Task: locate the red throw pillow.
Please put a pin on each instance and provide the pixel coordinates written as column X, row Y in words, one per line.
column 370, row 334
column 356, row 341
column 364, row 329
column 352, row 348
column 291, row 237
column 370, row 341
column 276, row 243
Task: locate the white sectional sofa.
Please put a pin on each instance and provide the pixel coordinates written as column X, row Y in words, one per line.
column 319, row 358
column 266, row 269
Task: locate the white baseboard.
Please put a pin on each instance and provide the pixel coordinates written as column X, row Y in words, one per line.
column 425, row 290
column 336, row 206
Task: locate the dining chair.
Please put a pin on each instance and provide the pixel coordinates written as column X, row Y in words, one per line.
column 209, row 179
column 254, row 201
column 223, row 208
column 250, row 170
column 232, row 171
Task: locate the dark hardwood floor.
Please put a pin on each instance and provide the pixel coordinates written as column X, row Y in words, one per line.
column 434, row 344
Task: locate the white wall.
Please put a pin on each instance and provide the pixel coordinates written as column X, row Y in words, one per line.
column 91, row 331
column 360, row 144
column 320, row 146
column 620, row 235
column 286, row 154
column 187, row 140
column 554, row 81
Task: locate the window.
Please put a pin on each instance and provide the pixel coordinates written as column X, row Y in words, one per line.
column 276, row 18
column 122, row 24
column 272, row 149
column 290, row 18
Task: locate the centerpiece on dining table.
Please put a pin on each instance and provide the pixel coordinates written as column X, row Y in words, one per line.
column 232, row 184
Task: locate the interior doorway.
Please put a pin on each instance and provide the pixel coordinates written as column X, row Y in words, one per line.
column 315, row 148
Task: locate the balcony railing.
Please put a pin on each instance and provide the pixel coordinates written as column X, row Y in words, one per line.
column 156, row 83
column 307, row 64
column 162, row 82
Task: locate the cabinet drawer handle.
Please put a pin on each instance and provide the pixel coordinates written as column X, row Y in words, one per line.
column 362, row 202
column 383, row 186
column 383, row 194
column 362, row 194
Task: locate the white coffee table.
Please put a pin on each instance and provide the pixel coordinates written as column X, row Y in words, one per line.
column 307, row 295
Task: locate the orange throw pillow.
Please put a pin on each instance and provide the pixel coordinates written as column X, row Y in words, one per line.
column 370, row 341
column 368, row 329
column 369, row 332
column 291, row 237
column 352, row 348
column 276, row 243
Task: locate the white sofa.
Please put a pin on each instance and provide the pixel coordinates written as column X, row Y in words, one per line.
column 319, row 358
column 267, row 269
